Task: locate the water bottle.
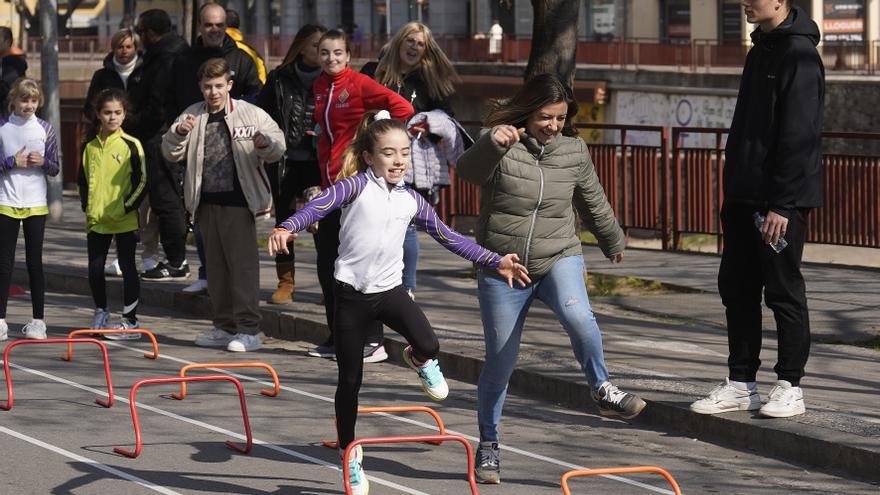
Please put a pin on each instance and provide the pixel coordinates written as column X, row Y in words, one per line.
column 780, row 244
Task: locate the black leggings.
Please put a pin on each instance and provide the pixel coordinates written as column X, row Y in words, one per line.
column 34, row 228
column 354, row 312
column 126, row 245
column 327, row 247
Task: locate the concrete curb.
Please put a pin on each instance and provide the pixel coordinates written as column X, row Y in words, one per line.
column 822, row 448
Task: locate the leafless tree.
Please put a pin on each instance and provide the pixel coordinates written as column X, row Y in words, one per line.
column 554, row 39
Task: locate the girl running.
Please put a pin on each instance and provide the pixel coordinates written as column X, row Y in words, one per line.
column 112, row 181
column 29, row 152
column 376, row 209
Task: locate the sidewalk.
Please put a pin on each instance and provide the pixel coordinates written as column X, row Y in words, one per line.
column 668, row 348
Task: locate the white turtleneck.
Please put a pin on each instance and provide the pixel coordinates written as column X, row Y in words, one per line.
column 125, row 70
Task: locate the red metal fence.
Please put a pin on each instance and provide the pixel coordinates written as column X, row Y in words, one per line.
column 676, row 189
column 696, row 54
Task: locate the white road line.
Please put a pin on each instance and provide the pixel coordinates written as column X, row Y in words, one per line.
column 429, row 426
column 85, row 460
column 207, row 426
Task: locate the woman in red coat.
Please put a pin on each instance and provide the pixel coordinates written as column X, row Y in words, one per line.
column 342, row 96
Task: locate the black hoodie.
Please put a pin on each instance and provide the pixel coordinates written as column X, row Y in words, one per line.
column 185, row 90
column 108, row 77
column 774, row 149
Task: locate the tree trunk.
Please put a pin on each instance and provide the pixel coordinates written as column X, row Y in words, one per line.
column 554, row 39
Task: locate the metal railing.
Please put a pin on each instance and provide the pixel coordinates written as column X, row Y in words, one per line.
column 626, row 53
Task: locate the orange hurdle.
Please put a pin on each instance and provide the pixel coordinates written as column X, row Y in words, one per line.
column 8, row 405
column 269, row 393
column 435, row 439
column 104, row 331
column 623, row 470
column 396, row 409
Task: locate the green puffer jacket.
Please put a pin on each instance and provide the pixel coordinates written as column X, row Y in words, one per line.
column 528, row 197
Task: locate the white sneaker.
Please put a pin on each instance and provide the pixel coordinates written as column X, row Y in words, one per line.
column 150, row 263
column 4, row 330
column 125, row 324
column 196, row 288
column 725, row 398
column 243, row 342
column 784, row 401
column 214, row 338
column 411, row 294
column 113, row 269
column 433, row 383
column 360, row 485
column 35, row 329
column 100, row 320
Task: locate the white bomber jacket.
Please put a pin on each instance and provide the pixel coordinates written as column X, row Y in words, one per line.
column 243, row 121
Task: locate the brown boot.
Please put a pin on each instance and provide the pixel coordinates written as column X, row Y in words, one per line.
column 284, row 293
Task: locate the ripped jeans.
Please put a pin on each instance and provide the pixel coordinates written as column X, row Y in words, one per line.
column 503, row 311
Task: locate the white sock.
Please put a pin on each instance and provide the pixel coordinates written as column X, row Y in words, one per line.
column 747, row 386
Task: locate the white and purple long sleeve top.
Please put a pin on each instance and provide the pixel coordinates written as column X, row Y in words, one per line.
column 374, row 222
column 20, row 187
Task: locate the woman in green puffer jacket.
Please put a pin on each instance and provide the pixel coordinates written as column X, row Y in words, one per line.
column 534, row 172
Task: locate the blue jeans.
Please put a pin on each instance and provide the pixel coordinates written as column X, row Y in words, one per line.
column 410, row 257
column 503, row 311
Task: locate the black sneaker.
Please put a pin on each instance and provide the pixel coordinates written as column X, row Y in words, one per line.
column 374, row 353
column 326, row 350
column 614, row 402
column 487, row 463
column 165, row 271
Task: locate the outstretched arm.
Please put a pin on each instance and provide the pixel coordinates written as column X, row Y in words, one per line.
column 508, row 266
column 340, row 194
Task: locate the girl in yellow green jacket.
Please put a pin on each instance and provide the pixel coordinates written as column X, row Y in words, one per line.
column 112, row 181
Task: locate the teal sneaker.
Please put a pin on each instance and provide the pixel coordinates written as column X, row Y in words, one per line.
column 360, row 485
column 433, row 383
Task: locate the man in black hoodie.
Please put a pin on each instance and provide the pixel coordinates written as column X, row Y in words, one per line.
column 772, row 179
column 147, row 122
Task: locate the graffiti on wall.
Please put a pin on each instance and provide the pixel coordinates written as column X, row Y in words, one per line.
column 673, row 110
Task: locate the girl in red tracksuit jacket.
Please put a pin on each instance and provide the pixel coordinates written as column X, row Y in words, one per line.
column 342, row 96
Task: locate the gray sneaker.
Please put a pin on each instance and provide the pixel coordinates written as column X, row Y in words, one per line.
column 4, row 330
column 487, row 463
column 214, row 338
column 99, row 322
column 35, row 329
column 614, row 402
column 125, row 324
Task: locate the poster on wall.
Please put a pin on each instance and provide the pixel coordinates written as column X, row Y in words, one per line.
column 731, row 21
column 844, row 20
column 603, row 17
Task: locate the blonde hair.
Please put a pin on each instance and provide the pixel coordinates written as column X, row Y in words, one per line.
column 121, row 35
column 365, row 138
column 437, row 70
column 24, row 87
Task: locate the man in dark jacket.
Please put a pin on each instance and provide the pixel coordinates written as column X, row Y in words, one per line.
column 146, row 121
column 772, row 179
column 213, row 42
column 12, row 65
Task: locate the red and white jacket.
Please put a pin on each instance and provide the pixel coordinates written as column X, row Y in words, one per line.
column 340, row 102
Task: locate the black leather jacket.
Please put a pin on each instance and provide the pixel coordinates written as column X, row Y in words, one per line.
column 291, row 104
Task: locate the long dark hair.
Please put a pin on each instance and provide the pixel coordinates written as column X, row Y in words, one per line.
column 109, row 94
column 541, row 90
column 299, row 42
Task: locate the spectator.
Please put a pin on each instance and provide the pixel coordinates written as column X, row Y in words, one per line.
column 773, row 169
column 352, row 94
column 288, row 98
column 146, row 122
column 12, row 66
column 233, row 29
column 416, row 68
column 224, row 142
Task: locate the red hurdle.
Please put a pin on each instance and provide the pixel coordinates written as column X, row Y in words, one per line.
column 69, row 342
column 621, row 470
column 178, row 379
column 346, row 476
column 396, row 409
column 269, row 393
column 104, row 331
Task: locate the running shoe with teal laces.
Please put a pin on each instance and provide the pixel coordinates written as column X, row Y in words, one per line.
column 433, row 383
column 360, row 485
